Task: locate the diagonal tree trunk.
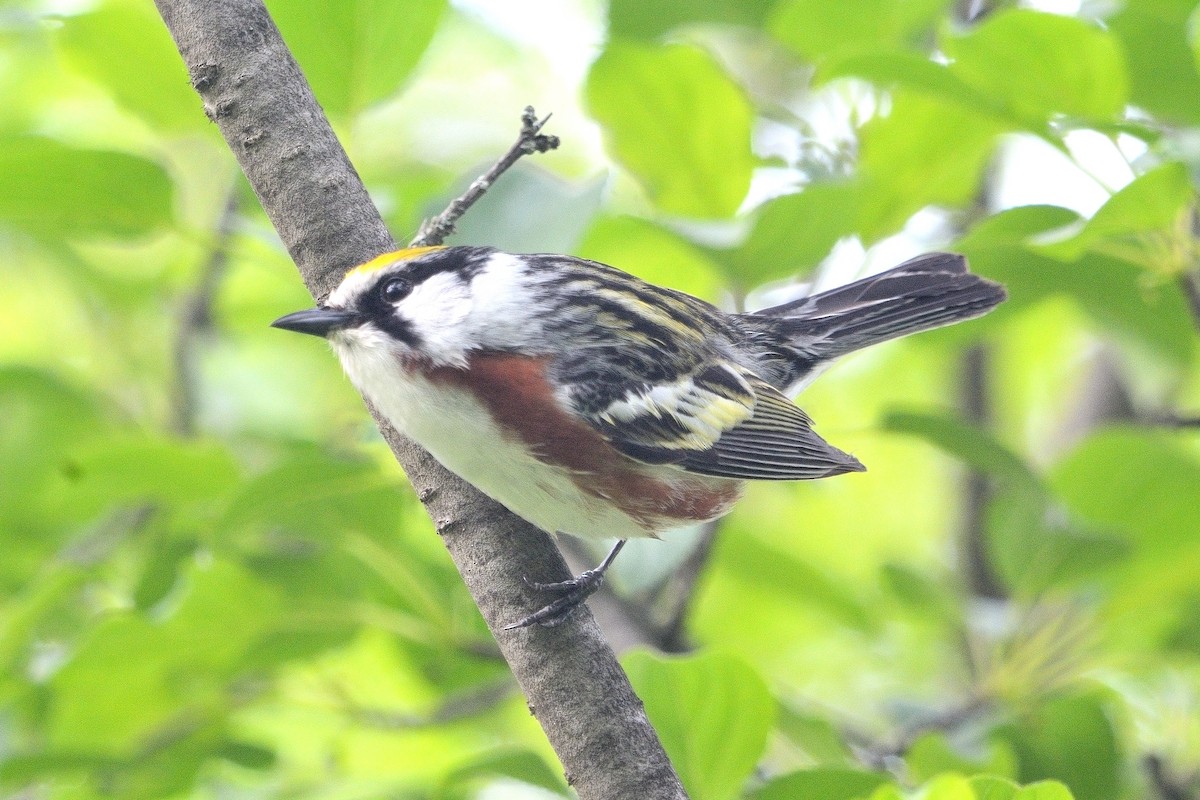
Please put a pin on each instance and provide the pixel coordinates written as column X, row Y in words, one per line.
column 255, row 92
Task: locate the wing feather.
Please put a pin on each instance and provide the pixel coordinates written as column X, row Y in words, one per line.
column 721, row 421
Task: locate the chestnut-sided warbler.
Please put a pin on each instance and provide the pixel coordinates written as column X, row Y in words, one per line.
column 593, row 403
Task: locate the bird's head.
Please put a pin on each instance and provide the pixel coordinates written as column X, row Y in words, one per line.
column 431, row 303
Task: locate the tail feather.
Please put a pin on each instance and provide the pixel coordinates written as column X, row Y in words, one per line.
column 924, row 293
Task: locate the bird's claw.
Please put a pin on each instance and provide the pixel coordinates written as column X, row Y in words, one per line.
column 572, row 594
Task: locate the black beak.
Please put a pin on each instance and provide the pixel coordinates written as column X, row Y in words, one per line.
column 316, row 321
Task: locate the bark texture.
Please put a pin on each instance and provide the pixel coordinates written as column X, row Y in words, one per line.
column 254, row 91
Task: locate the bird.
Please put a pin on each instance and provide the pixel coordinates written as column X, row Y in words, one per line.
column 596, row 404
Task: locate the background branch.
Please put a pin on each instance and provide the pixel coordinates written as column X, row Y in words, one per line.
column 254, row 91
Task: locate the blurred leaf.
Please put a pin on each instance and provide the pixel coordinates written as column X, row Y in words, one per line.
column 248, row 755
column 1015, row 226
column 820, row 740
column 1113, row 292
column 634, row 19
column 502, row 218
column 167, row 558
column 677, row 122
column 713, row 713
column 131, row 675
column 913, row 71
column 989, row 787
column 922, row 594
column 815, row 29
column 1070, row 739
column 755, row 562
column 652, row 253
column 41, row 417
column 1149, row 481
column 827, row 783
column 969, row 443
column 1162, row 69
column 925, row 152
column 794, row 233
column 313, row 492
column 147, row 471
column 124, row 45
column 1044, row 790
column 1032, row 542
column 932, row 754
column 522, row 765
column 948, row 787
column 60, row 191
column 1151, row 204
column 358, row 52
column 1042, row 65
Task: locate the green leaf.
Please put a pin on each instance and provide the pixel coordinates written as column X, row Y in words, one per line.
column 913, row 71
column 921, row 593
column 248, row 754
column 131, row 675
column 1150, row 486
column 925, row 152
column 1112, row 291
column 990, row 787
column 356, row 52
column 756, row 562
column 316, row 493
column 1015, row 226
column 1070, row 739
column 678, row 123
column 1044, row 790
column 1163, row 77
column 1042, row 65
column 969, row 443
column 654, row 254
column 793, row 233
column 827, row 783
column 1137, row 223
column 57, row 190
column 636, row 19
column 712, row 712
column 149, row 470
column 523, row 765
column 815, row 29
column 948, row 787
column 932, row 754
column 124, row 45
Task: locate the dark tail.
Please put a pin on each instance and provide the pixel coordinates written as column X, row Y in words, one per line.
column 926, row 292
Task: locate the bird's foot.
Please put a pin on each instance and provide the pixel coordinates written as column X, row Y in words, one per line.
column 571, row 593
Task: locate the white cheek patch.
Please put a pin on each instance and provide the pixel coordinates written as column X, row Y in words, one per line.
column 503, row 316
column 436, row 310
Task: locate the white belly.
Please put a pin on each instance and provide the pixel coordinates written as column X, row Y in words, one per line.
column 453, row 426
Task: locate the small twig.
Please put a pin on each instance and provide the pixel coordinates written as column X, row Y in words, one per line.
column 680, row 589
column 435, row 230
column 196, row 320
column 1171, row 420
column 1189, row 281
column 457, row 707
column 1167, row 785
column 878, row 755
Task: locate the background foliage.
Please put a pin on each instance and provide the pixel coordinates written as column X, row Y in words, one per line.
column 214, row 582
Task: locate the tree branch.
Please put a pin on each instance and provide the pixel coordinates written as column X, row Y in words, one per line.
column 254, row 91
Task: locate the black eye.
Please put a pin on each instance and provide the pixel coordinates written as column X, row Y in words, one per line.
column 394, row 290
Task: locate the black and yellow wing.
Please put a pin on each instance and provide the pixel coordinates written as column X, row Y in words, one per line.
column 717, row 420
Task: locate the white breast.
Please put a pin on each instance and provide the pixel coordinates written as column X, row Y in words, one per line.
column 453, row 426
